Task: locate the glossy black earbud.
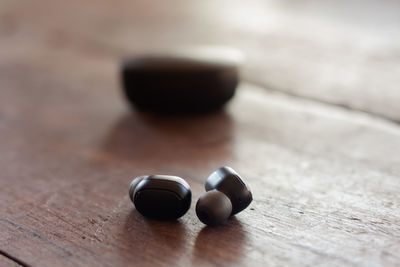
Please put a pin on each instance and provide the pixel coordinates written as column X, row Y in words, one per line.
column 160, row 197
column 226, row 195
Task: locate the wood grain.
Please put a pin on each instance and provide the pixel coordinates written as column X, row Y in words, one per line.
column 325, row 178
column 4, row 261
column 344, row 53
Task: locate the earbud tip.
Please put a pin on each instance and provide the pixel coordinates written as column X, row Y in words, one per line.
column 213, row 208
column 133, row 185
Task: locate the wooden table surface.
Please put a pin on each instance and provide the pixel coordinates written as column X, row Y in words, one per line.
column 314, row 129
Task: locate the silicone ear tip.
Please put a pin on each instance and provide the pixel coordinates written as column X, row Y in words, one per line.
column 213, row 208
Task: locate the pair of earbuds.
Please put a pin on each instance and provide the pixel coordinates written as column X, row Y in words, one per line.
column 164, row 197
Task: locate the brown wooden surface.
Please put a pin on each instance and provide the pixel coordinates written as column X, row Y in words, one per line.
column 4, row 261
column 313, row 129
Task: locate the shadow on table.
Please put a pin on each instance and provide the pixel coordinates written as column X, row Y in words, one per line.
column 221, row 244
column 149, row 138
column 157, row 242
column 166, row 242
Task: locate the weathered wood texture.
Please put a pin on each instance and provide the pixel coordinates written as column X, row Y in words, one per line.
column 341, row 53
column 5, row 261
column 325, row 178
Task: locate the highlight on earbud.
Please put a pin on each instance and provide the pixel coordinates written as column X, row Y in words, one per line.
column 160, row 197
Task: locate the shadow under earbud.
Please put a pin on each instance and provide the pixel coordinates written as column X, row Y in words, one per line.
column 149, row 237
column 224, row 243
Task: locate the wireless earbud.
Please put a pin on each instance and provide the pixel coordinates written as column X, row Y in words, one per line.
column 160, row 197
column 226, row 195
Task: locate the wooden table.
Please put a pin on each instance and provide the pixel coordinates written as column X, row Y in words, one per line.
column 314, row 130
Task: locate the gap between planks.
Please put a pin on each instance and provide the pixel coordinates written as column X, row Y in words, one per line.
column 324, row 102
column 12, row 259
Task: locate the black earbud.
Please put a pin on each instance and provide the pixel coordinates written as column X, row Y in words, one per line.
column 226, row 195
column 160, row 197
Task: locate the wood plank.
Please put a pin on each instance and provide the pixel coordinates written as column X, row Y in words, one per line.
column 325, row 179
column 7, row 262
column 343, row 53
column 4, row 261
